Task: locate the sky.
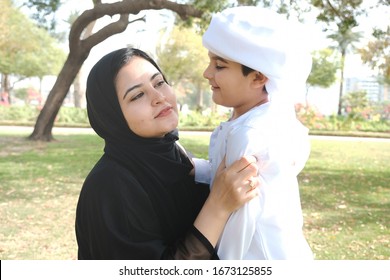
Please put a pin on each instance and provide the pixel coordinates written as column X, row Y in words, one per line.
column 144, row 35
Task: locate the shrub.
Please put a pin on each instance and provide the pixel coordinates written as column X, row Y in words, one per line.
column 18, row 114
column 27, row 115
column 201, row 121
column 70, row 116
column 351, row 122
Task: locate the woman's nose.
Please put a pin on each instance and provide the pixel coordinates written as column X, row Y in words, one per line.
column 158, row 97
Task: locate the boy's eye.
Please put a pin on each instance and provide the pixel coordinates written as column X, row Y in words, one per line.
column 139, row 95
column 219, row 65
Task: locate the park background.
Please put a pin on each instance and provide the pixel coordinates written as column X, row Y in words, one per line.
column 345, row 186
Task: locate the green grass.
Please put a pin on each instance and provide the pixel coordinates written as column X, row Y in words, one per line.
column 345, row 193
column 39, row 186
column 345, row 190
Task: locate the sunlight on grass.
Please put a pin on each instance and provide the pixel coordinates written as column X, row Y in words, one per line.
column 40, row 183
column 345, row 190
column 345, row 193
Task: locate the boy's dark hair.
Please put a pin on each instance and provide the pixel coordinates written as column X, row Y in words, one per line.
column 246, row 70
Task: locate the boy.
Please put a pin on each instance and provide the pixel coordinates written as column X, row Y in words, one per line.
column 256, row 64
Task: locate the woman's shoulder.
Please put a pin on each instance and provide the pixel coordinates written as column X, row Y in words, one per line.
column 108, row 176
column 107, row 167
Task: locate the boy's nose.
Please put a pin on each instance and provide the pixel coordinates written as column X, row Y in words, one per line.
column 207, row 73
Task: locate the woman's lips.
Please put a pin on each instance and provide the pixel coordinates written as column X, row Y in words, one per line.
column 164, row 112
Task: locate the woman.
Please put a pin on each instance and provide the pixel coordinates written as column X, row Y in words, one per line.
column 140, row 200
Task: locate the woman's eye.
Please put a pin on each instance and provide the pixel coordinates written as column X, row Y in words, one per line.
column 139, row 95
column 218, row 67
column 160, row 83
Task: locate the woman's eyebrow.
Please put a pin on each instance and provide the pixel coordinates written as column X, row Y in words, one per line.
column 139, row 85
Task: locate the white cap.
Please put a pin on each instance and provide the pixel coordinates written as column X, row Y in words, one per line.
column 264, row 41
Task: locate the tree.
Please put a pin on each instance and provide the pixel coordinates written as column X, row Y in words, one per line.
column 183, row 59
column 78, row 91
column 340, row 17
column 47, row 59
column 79, row 50
column 44, row 12
column 4, row 18
column 377, row 53
column 323, row 71
column 26, row 50
column 12, row 43
column 344, row 39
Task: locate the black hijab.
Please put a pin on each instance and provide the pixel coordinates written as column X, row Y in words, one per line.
column 158, row 164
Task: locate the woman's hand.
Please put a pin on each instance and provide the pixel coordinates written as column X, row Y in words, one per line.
column 232, row 188
column 235, row 185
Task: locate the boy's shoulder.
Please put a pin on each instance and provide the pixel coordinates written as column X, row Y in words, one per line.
column 256, row 122
column 258, row 116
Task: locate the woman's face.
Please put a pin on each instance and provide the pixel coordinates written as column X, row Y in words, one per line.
column 148, row 103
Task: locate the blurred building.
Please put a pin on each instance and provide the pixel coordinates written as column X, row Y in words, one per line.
column 376, row 91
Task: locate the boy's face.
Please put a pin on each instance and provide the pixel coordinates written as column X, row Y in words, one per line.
column 231, row 88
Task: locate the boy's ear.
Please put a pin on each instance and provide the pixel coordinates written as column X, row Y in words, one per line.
column 259, row 79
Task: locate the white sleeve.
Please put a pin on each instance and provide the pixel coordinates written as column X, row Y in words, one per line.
column 301, row 146
column 238, row 232
column 202, row 170
column 240, row 228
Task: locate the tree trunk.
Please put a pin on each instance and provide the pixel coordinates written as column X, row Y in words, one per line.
column 340, row 107
column 199, row 97
column 78, row 92
column 40, row 91
column 44, row 124
column 6, row 87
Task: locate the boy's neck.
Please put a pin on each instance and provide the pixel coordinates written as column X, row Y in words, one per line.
column 238, row 113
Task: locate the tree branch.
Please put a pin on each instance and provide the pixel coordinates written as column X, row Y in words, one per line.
column 106, row 32
column 124, row 8
column 335, row 11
